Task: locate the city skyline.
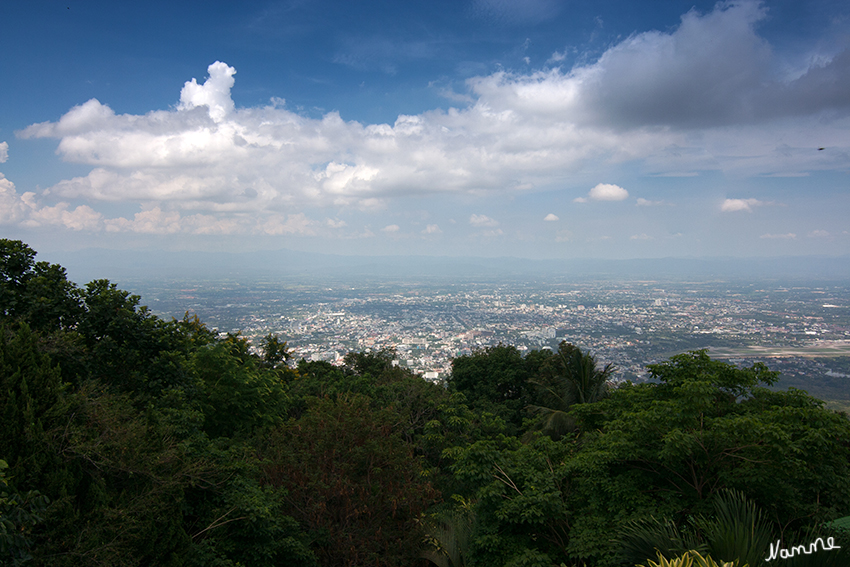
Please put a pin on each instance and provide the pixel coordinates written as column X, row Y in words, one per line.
column 536, row 129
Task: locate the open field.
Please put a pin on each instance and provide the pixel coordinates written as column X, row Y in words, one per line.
column 819, row 349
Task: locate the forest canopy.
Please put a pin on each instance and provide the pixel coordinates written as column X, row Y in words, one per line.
column 126, row 439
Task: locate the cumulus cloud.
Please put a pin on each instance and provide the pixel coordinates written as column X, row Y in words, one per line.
column 712, row 70
column 12, row 208
column 391, row 228
column 4, row 152
column 734, row 205
column 607, row 192
column 214, row 93
column 551, row 217
column 26, row 210
column 701, row 96
column 432, row 229
column 482, row 220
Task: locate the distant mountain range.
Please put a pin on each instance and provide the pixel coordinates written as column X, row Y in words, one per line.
column 126, row 265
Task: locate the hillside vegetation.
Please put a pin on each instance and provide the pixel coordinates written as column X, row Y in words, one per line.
column 128, row 440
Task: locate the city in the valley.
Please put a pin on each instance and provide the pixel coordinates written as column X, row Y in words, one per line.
column 802, row 330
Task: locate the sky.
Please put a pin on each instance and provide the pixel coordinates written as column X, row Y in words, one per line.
column 526, row 128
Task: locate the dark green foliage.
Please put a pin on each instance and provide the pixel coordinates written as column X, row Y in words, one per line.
column 19, row 513
column 449, row 538
column 125, row 342
column 666, row 449
column 237, row 397
column 37, row 292
column 522, row 508
column 108, row 411
column 30, row 388
column 275, row 353
column 495, row 379
column 455, row 426
column 569, row 377
column 737, row 531
column 136, row 441
column 647, row 537
column 373, row 375
column 352, row 481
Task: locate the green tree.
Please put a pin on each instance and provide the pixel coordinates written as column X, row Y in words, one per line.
column 569, row 377
column 522, row 493
column 351, row 481
column 736, row 531
column 496, row 380
column 19, row 513
column 30, row 390
column 236, row 396
column 274, row 351
column 37, row 292
column 667, row 448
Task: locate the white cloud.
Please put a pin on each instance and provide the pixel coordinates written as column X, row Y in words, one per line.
column 80, row 218
column 702, row 96
column 734, row 205
column 335, row 223
column 818, row 234
column 608, row 192
column 12, row 208
column 391, row 228
column 153, row 221
column 557, row 57
column 432, row 229
column 788, row 236
column 580, row 200
column 27, row 211
column 642, row 236
column 214, row 93
column 482, row 220
column 4, row 152
column 551, row 217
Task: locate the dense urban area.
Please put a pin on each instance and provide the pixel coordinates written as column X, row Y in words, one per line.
column 803, row 331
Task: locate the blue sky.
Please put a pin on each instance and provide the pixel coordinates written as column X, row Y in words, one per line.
column 536, row 128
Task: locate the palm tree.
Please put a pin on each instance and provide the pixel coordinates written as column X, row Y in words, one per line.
column 450, row 539
column 572, row 377
column 738, row 532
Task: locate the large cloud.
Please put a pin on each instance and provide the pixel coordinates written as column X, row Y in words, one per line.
column 700, row 97
column 713, row 70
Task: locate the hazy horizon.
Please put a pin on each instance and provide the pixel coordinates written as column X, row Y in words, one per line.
column 138, row 265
